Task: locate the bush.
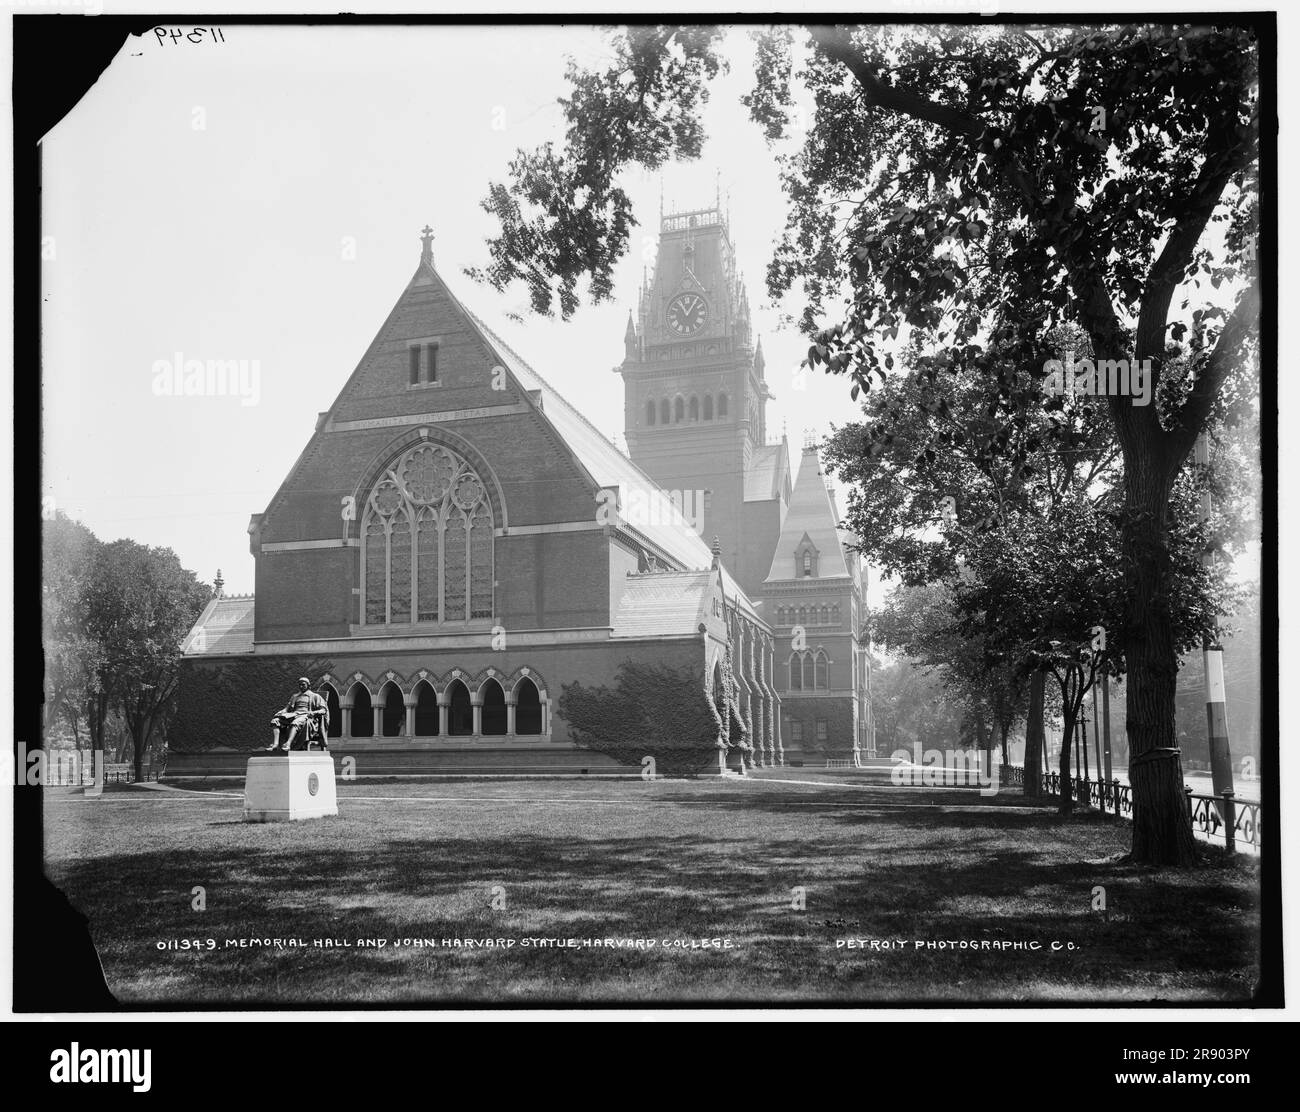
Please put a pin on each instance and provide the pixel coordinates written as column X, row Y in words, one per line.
column 653, row 711
column 230, row 702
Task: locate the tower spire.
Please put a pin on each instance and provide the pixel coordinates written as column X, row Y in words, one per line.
column 629, row 339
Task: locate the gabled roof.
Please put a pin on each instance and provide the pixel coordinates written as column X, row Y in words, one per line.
column 225, row 626
column 676, row 603
column 767, row 468
column 810, row 512
column 663, row 525
column 663, row 604
column 735, row 593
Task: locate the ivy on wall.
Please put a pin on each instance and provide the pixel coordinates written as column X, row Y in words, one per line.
column 230, row 702
column 654, row 710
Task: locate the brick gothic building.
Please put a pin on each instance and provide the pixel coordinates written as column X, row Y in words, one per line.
column 695, row 417
column 456, row 541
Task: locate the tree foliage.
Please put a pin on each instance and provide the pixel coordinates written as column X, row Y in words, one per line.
column 973, row 189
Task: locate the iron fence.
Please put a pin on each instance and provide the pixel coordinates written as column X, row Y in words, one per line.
column 1222, row 818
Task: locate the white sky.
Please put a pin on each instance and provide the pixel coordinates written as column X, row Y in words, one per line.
column 226, row 243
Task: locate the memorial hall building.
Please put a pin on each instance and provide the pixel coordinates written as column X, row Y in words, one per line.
column 457, row 542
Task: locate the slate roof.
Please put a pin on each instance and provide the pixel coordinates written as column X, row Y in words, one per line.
column 227, row 627
column 675, row 603
column 763, row 479
column 663, row 526
column 663, row 604
column 811, row 511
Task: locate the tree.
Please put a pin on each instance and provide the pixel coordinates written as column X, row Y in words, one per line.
column 938, row 460
column 139, row 605
column 970, row 185
column 71, row 657
column 925, row 622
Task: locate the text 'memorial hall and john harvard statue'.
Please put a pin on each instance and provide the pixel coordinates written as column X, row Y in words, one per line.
column 437, row 561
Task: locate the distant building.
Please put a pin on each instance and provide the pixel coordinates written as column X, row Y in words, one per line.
column 457, row 541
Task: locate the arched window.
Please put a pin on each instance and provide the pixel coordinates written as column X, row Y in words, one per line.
column 335, row 728
column 835, row 614
column 363, row 715
column 826, row 615
column 663, row 412
column 427, row 530
column 650, row 412
column 393, row 718
column 719, row 694
column 796, row 671
column 780, row 616
column 708, row 407
column 722, row 406
column 807, row 562
column 695, row 409
column 803, row 615
column 528, row 708
column 808, row 684
column 823, row 671
column 679, row 410
column 460, row 712
column 494, row 709
column 426, row 710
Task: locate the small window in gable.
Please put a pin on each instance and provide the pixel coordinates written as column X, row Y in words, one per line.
column 414, row 354
column 430, row 362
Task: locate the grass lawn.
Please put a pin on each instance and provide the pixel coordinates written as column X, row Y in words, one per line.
column 669, row 860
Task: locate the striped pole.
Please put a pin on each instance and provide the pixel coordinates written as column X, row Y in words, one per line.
column 1216, row 709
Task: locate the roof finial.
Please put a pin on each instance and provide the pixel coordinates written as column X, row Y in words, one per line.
column 717, row 550
column 218, row 584
column 426, row 245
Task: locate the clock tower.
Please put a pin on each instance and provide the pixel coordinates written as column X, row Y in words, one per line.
column 695, row 394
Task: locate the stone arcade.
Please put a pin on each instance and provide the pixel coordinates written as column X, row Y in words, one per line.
column 456, row 542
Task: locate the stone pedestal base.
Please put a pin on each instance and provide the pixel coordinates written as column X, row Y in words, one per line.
column 289, row 788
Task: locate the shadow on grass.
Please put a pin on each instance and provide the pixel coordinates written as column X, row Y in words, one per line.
column 929, row 872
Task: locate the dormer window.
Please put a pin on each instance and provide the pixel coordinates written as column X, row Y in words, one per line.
column 805, row 559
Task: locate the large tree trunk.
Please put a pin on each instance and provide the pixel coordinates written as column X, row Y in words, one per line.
column 1162, row 827
column 1066, row 806
column 1034, row 737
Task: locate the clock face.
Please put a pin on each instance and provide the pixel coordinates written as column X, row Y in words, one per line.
column 687, row 313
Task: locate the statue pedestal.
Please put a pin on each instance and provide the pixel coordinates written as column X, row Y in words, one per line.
column 291, row 787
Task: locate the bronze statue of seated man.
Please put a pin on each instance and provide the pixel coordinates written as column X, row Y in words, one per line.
column 305, row 718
